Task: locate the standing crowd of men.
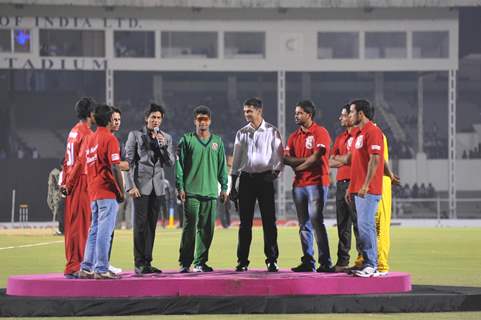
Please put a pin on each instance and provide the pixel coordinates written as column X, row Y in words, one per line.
column 94, row 187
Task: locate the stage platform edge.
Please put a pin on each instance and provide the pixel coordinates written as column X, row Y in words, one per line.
column 420, row 299
column 217, row 283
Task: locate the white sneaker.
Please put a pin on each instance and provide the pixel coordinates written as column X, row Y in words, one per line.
column 365, row 272
column 114, row 269
column 381, row 273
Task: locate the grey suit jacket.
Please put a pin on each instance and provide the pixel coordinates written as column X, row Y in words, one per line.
column 144, row 173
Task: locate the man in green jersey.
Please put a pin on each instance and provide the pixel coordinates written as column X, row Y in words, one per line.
column 200, row 167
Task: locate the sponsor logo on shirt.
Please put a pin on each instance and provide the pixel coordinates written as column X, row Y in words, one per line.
column 115, row 157
column 215, row 146
column 359, row 142
column 349, row 143
column 91, row 158
column 73, row 134
column 375, row 147
column 309, row 142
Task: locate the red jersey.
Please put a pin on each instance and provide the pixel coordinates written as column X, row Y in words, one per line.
column 303, row 144
column 367, row 141
column 101, row 152
column 73, row 165
column 342, row 146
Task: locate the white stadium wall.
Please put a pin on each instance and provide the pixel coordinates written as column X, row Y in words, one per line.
column 420, row 170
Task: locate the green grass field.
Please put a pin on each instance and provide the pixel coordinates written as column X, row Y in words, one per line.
column 435, row 256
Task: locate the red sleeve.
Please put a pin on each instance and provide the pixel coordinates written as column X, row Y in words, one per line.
column 374, row 141
column 289, row 149
column 323, row 141
column 335, row 147
column 113, row 151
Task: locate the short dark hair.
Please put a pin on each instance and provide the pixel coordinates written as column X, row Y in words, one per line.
column 202, row 110
column 364, row 106
column 253, row 102
column 84, row 107
column 115, row 110
column 152, row 107
column 308, row 107
column 345, row 107
column 103, row 115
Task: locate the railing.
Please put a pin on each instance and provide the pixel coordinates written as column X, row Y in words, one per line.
column 415, row 208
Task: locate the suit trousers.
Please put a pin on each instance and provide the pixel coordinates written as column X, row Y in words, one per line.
column 147, row 209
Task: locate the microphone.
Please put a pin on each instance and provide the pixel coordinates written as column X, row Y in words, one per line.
column 157, row 130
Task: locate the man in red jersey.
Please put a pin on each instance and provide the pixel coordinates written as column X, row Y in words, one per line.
column 345, row 213
column 77, row 203
column 307, row 153
column 102, row 160
column 367, row 169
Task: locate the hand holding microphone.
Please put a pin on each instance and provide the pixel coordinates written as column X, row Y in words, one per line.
column 159, row 136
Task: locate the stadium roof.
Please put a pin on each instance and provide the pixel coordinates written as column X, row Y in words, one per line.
column 266, row 4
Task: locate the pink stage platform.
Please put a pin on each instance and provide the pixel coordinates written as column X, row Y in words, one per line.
column 218, row 283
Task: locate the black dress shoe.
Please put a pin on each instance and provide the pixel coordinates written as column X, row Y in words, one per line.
column 142, row 270
column 304, row 268
column 202, row 268
column 272, row 267
column 326, row 269
column 184, row 269
column 241, row 268
column 154, row 270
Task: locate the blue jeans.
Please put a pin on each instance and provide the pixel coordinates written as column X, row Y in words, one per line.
column 366, row 223
column 309, row 203
column 104, row 214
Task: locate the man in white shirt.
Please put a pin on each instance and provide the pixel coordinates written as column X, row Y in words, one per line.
column 257, row 160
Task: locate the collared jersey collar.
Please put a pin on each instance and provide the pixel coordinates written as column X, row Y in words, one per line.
column 309, row 130
column 354, row 131
column 262, row 127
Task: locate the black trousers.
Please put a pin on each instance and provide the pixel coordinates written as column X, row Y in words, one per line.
column 164, row 210
column 145, row 221
column 258, row 187
column 346, row 220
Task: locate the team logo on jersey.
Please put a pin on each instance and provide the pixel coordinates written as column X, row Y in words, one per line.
column 359, row 142
column 349, row 143
column 310, row 142
column 215, row 146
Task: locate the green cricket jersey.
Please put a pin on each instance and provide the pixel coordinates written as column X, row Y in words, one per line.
column 201, row 166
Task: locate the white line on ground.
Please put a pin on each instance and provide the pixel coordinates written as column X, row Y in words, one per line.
column 32, row 245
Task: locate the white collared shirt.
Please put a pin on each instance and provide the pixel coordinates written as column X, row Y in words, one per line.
column 258, row 150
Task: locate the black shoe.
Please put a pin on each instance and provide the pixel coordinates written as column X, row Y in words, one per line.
column 241, row 268
column 184, row 269
column 154, row 270
column 142, row 270
column 74, row 275
column 353, row 269
column 326, row 269
column 339, row 268
column 272, row 267
column 304, row 268
column 202, row 268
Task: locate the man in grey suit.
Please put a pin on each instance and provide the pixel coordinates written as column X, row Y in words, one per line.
column 148, row 151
